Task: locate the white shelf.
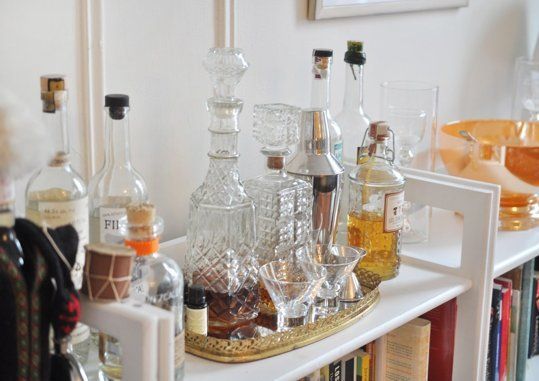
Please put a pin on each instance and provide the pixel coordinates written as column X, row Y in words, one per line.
column 414, row 292
column 444, row 246
column 532, row 369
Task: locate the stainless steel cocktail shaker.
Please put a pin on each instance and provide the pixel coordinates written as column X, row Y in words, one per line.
column 315, row 164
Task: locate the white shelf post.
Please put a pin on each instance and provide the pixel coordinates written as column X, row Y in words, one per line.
column 478, row 203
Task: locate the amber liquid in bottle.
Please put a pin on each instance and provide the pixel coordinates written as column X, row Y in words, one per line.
column 376, row 198
column 366, row 230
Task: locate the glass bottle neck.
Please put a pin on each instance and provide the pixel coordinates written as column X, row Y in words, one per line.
column 378, row 151
column 117, row 149
column 275, row 166
column 353, row 92
column 224, row 127
column 56, row 123
column 320, row 94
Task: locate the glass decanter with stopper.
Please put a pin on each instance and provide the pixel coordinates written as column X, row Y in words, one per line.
column 157, row 279
column 375, row 216
column 320, row 96
column 56, row 194
column 283, row 203
column 117, row 184
column 221, row 234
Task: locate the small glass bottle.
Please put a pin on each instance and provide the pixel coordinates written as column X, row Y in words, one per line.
column 352, row 119
column 117, row 184
column 320, row 96
column 56, row 195
column 196, row 311
column 157, row 279
column 221, row 234
column 375, row 216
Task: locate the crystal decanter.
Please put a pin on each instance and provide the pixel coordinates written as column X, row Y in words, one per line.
column 283, row 203
column 221, row 233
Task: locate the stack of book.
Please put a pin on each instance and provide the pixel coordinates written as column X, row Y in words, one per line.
column 514, row 323
column 420, row 350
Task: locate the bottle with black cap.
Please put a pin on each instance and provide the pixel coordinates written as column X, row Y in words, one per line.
column 196, row 310
column 117, row 184
column 320, row 95
column 352, row 119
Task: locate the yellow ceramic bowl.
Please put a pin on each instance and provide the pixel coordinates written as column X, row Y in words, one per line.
column 503, row 152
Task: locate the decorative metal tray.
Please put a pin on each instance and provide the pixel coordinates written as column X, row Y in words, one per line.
column 239, row 351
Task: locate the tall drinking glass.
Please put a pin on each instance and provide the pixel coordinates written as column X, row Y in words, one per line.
column 526, row 90
column 411, row 110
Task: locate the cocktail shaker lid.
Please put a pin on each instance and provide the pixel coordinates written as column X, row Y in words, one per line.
column 314, row 157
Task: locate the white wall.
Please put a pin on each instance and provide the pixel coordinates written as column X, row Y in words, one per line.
column 153, row 52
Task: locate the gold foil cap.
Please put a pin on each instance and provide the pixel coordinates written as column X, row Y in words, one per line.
column 53, row 92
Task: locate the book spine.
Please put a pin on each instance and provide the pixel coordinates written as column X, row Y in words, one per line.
column 524, row 323
column 533, row 318
column 492, row 359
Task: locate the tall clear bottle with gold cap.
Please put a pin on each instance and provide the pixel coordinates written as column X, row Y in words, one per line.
column 56, row 194
column 353, row 119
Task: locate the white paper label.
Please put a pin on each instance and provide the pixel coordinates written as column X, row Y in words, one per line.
column 393, row 215
column 59, row 213
column 197, row 320
column 109, row 227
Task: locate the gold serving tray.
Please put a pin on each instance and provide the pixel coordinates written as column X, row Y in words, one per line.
column 239, row 351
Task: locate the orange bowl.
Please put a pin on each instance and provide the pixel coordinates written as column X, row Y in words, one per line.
column 503, row 152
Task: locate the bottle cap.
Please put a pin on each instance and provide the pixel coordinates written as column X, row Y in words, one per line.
column 322, row 53
column 116, row 100
column 355, row 54
column 379, row 131
column 196, row 295
column 53, row 92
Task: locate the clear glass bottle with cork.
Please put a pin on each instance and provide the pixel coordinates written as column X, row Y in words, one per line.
column 156, row 280
column 57, row 195
column 117, row 184
column 375, row 215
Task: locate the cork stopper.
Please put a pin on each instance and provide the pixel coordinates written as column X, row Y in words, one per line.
column 355, row 54
column 53, row 92
column 140, row 220
column 354, row 46
column 379, row 131
column 275, row 162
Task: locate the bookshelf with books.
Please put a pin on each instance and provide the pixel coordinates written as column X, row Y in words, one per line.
column 460, row 261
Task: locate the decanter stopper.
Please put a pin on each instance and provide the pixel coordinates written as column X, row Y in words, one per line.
column 276, row 127
column 226, row 67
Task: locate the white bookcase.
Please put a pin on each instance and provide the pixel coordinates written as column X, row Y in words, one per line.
column 465, row 252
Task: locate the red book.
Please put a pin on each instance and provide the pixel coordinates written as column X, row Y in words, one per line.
column 507, row 290
column 443, row 320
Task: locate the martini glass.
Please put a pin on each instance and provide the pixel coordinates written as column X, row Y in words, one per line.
column 339, row 261
column 291, row 287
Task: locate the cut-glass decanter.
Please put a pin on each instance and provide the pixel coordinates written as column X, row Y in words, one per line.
column 221, row 234
column 283, row 203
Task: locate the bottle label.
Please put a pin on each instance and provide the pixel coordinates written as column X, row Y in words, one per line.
column 109, row 225
column 337, row 151
column 393, row 215
column 197, row 320
column 59, row 213
column 179, row 349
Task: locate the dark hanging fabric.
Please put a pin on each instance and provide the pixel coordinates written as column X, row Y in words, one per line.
column 33, row 297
